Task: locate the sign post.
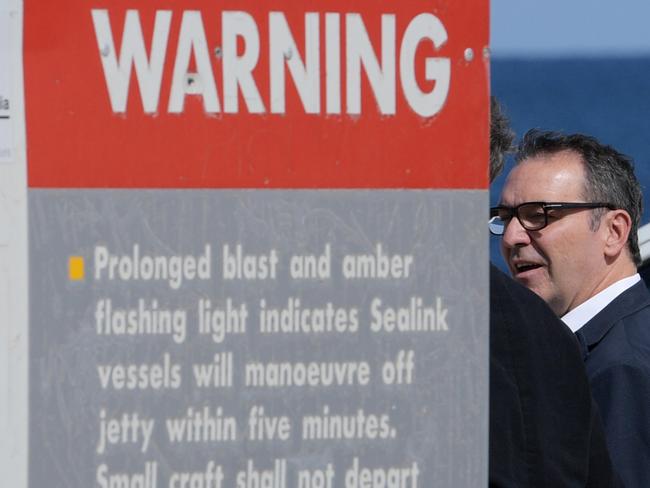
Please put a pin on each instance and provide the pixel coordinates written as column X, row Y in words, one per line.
column 257, row 248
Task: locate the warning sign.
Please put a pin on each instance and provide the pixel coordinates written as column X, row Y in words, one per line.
column 239, row 95
column 257, row 248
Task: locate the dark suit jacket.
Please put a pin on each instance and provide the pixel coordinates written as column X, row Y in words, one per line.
column 616, row 347
column 544, row 428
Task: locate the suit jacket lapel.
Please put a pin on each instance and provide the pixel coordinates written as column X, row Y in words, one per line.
column 627, row 303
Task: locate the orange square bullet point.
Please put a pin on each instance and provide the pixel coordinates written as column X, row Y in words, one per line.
column 76, row 268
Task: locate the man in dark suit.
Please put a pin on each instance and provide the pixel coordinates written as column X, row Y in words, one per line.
column 569, row 215
column 544, row 428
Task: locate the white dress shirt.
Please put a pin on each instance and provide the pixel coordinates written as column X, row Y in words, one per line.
column 584, row 312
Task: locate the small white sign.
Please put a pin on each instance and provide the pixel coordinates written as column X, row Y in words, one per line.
column 6, row 73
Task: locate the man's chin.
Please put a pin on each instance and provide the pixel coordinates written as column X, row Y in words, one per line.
column 535, row 280
column 530, row 277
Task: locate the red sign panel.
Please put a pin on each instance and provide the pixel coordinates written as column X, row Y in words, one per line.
column 245, row 94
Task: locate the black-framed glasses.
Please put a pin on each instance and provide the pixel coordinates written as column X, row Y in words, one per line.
column 533, row 215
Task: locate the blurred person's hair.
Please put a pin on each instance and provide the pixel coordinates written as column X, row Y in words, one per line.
column 501, row 137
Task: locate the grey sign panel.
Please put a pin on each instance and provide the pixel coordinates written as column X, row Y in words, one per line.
column 258, row 339
column 6, row 90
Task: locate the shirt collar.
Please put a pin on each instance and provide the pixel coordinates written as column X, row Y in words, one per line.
column 584, row 312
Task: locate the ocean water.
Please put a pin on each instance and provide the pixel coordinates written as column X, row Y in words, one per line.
column 605, row 98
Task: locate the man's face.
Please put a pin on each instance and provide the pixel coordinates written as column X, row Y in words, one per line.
column 564, row 262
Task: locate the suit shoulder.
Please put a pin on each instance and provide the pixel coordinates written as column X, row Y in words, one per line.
column 626, row 345
column 525, row 314
column 511, row 293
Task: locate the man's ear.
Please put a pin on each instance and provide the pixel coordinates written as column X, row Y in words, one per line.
column 617, row 226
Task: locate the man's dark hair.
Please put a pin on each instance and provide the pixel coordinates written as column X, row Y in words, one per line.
column 501, row 137
column 609, row 175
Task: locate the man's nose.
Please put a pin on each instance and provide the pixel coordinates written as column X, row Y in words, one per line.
column 515, row 234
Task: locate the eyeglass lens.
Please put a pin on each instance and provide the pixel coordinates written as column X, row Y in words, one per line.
column 531, row 216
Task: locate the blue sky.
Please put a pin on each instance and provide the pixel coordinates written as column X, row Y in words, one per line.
column 524, row 28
